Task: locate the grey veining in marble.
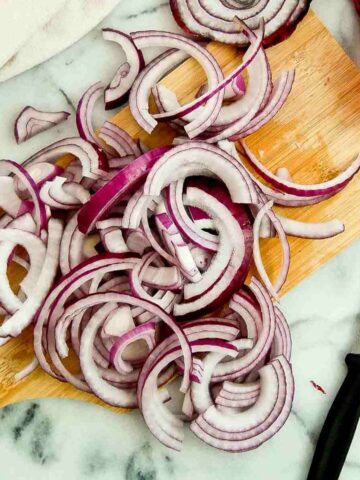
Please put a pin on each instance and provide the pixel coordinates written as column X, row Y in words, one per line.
column 56, row 439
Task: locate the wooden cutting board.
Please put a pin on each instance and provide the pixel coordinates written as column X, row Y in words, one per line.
column 315, row 136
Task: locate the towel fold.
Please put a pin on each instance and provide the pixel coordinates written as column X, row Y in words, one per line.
column 32, row 31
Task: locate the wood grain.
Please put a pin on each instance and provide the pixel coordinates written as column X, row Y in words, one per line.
column 315, row 136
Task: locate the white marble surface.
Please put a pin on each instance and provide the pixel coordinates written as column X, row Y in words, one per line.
column 56, row 439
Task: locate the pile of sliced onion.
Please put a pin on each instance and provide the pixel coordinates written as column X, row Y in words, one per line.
column 214, row 19
column 135, row 262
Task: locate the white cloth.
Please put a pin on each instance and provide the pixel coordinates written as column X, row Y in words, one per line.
column 32, row 31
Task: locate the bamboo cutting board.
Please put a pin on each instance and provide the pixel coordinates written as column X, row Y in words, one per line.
column 315, row 135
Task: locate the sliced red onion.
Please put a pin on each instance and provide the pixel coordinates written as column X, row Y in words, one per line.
column 60, row 194
column 125, row 181
column 214, row 19
column 40, row 173
column 206, row 60
column 164, row 425
column 279, row 95
column 119, row 140
column 113, row 297
column 23, row 317
column 26, row 371
column 84, row 112
column 227, row 247
column 31, row 121
column 200, row 392
column 326, row 188
column 175, row 243
column 167, row 278
column 136, row 241
column 200, row 158
column 143, row 332
column 213, row 90
column 10, row 202
column 127, row 72
column 242, row 365
column 276, row 287
column 102, row 388
column 234, row 90
column 246, row 430
column 215, row 290
column 9, row 167
column 188, row 228
column 53, row 308
column 144, row 84
column 91, row 157
column 113, row 240
column 311, row 230
column 36, row 250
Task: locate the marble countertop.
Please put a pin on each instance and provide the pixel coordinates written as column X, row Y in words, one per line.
column 57, row 439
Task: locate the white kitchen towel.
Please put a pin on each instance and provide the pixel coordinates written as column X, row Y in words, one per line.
column 32, row 31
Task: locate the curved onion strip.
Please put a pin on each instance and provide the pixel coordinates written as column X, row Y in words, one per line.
column 240, row 366
column 151, row 74
column 99, row 386
column 91, row 157
column 326, row 188
column 125, row 181
column 209, row 157
column 8, row 166
column 214, row 21
column 246, row 430
column 119, row 140
column 145, row 332
column 206, row 60
column 279, row 95
column 200, row 392
column 175, row 244
column 273, row 288
column 195, row 104
column 189, row 228
column 236, row 270
column 84, row 112
column 23, row 317
column 36, row 250
column 31, row 122
column 127, row 72
column 310, row 229
column 69, row 283
column 26, row 371
column 113, row 297
column 164, row 425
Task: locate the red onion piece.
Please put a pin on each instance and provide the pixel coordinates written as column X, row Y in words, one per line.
column 24, row 316
column 125, row 181
column 201, row 158
column 127, row 72
column 91, row 157
column 326, row 188
column 214, row 19
column 273, row 289
column 206, row 60
column 10, row 167
column 84, row 112
column 119, row 140
column 31, row 122
column 247, row 430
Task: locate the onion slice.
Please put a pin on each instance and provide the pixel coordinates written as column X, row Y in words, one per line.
column 31, row 121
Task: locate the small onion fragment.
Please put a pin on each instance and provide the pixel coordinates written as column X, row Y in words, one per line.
column 31, row 121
